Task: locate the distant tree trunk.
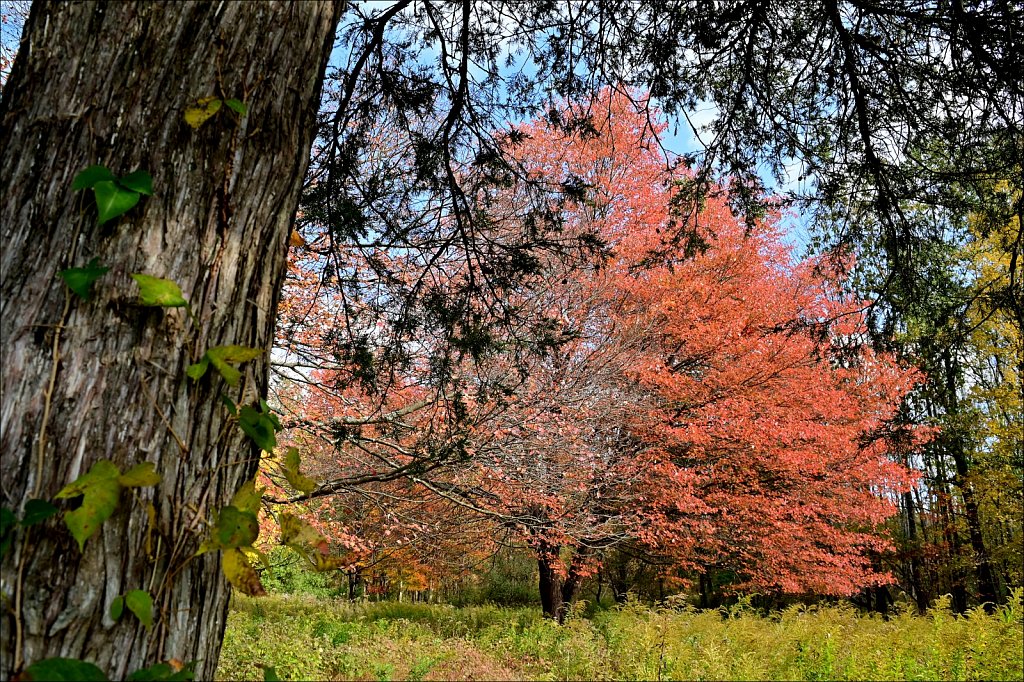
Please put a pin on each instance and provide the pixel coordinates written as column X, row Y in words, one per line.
column 958, row 450
column 917, row 586
column 108, row 83
column 550, row 589
column 703, row 588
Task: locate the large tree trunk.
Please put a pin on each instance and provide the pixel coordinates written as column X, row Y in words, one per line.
column 107, row 83
column 550, row 589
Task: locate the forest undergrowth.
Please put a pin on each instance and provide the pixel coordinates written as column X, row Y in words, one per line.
column 305, row 638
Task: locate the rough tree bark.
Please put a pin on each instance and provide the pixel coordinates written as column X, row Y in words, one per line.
column 107, row 84
column 557, row 594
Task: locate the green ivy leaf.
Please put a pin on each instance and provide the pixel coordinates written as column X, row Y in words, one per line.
column 117, row 608
column 141, row 604
column 80, row 280
column 154, row 291
column 223, row 357
column 258, row 427
column 270, row 675
column 296, row 479
column 265, row 408
column 100, row 491
column 201, row 111
column 63, row 670
column 99, row 472
column 235, row 528
column 195, row 372
column 140, row 181
column 90, row 176
column 140, row 475
column 237, row 106
column 230, row 404
column 37, row 511
column 248, row 497
column 113, row 200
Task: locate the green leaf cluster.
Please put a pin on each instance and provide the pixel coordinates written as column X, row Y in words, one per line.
column 114, row 196
column 75, row 670
column 100, row 490
column 80, row 280
column 222, row 358
column 138, row 602
column 260, row 425
column 234, row 533
column 36, row 511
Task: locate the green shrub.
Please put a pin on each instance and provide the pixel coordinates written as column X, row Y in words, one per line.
column 289, row 575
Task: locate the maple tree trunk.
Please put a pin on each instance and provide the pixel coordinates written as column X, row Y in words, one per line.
column 571, row 585
column 107, row 83
column 550, row 589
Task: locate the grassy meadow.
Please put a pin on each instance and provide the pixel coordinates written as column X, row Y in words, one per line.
column 308, row 638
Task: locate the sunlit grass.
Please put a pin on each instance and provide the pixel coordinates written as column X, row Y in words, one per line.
column 308, row 639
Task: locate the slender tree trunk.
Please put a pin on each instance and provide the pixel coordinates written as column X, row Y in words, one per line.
column 703, row 588
column 958, row 451
column 917, row 587
column 107, row 83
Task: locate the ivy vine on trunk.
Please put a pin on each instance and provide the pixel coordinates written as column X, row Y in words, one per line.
column 105, row 378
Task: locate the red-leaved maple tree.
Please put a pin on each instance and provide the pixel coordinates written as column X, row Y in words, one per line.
column 714, row 404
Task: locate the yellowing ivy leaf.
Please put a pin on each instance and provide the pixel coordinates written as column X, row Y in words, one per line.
column 296, row 479
column 308, row 543
column 298, row 534
column 202, row 111
column 241, row 574
column 100, row 491
column 328, row 563
column 195, row 372
column 140, row 475
column 248, row 497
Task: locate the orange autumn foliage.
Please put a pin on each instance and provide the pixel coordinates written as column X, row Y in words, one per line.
column 765, row 425
column 717, row 408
